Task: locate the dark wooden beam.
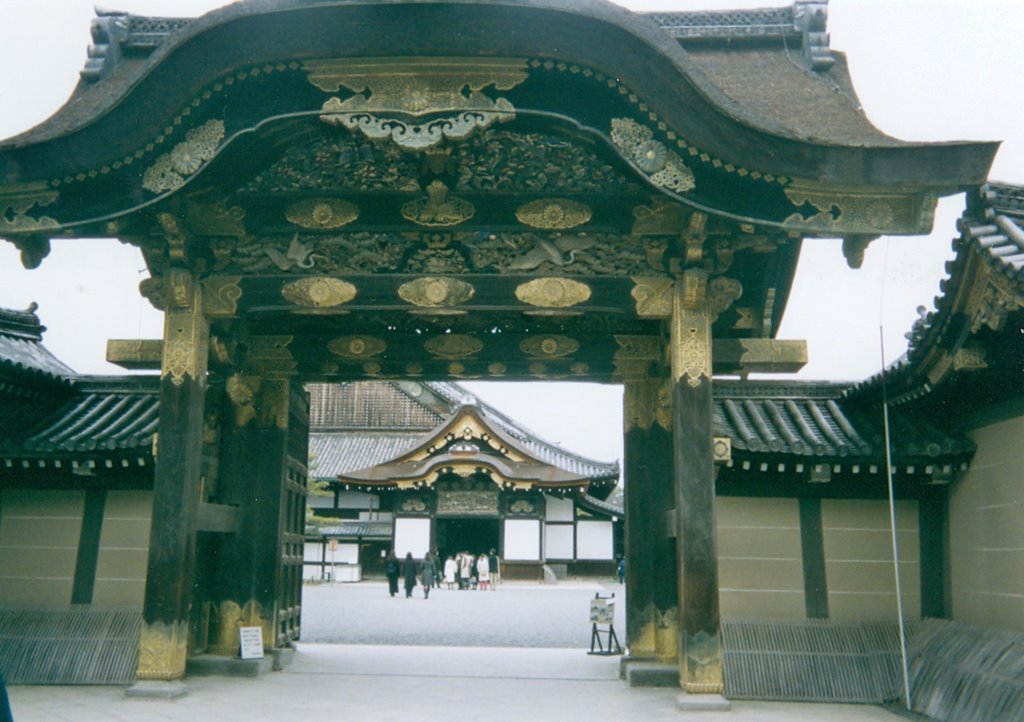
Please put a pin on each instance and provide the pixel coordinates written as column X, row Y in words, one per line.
column 88, row 546
column 812, row 548
column 219, row 518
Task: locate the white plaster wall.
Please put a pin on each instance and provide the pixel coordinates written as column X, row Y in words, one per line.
column 594, row 540
column 558, row 541
column 412, row 535
column 522, row 540
column 986, row 528
column 558, row 509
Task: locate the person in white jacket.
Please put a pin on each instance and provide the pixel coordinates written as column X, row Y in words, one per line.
column 450, row 569
column 483, row 571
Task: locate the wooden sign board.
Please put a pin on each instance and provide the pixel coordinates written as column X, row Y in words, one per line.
column 252, row 642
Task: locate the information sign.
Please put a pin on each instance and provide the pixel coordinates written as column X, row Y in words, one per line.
column 252, row 642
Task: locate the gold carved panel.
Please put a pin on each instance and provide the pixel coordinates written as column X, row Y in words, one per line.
column 221, row 295
column 322, row 213
column 437, row 209
column 357, row 347
column 169, row 171
column 549, row 346
column 454, row 346
column 387, row 89
column 17, row 201
column 653, row 296
column 318, row 292
column 662, row 166
column 436, row 291
column 859, row 211
column 553, row 213
column 553, row 292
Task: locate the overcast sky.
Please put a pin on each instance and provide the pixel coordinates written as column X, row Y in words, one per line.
column 927, row 70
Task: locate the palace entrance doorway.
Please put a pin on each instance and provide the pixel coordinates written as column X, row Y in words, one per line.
column 562, row 193
column 466, row 534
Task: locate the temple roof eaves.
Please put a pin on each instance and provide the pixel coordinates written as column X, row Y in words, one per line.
column 961, row 163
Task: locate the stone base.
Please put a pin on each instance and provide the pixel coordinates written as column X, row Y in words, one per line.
column 156, row 689
column 648, row 673
column 626, row 660
column 212, row 665
column 283, row 658
column 702, row 703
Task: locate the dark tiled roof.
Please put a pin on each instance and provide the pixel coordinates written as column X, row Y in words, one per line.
column 21, row 345
column 384, row 417
column 338, row 453
column 997, row 229
column 611, row 508
column 106, row 414
column 991, row 241
column 764, row 417
column 374, row 405
column 538, row 447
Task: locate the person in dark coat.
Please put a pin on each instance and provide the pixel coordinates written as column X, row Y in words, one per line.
column 5, row 705
column 409, row 573
column 427, row 573
column 392, row 568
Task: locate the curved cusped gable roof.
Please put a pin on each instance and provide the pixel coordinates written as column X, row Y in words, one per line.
column 704, row 108
column 468, row 442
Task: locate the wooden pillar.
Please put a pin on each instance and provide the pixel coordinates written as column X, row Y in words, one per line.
column 652, row 613
column 700, row 644
column 163, row 645
column 254, row 474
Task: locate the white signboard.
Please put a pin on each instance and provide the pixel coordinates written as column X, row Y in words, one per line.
column 602, row 611
column 252, row 642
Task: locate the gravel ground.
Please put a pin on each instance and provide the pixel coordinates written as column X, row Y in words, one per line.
column 516, row 615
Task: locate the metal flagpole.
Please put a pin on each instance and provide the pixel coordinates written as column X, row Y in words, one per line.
column 892, row 523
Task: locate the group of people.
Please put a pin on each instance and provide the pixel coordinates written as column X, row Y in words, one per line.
column 472, row 572
column 462, row 569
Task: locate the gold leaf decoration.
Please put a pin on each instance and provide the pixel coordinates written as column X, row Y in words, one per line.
column 453, row 346
column 388, row 91
column 435, row 291
column 169, row 171
column 17, row 201
column 357, row 347
column 549, row 346
column 663, row 167
column 318, row 292
column 322, row 213
column 221, row 295
column 553, row 292
column 437, row 209
column 553, row 213
column 653, row 296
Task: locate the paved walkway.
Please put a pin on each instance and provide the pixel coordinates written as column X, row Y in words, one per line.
column 515, row 654
column 518, row 614
column 449, row 684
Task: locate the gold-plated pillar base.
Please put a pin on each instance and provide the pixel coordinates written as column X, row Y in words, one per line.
column 163, row 651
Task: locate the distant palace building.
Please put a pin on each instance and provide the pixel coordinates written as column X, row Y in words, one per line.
column 422, row 466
